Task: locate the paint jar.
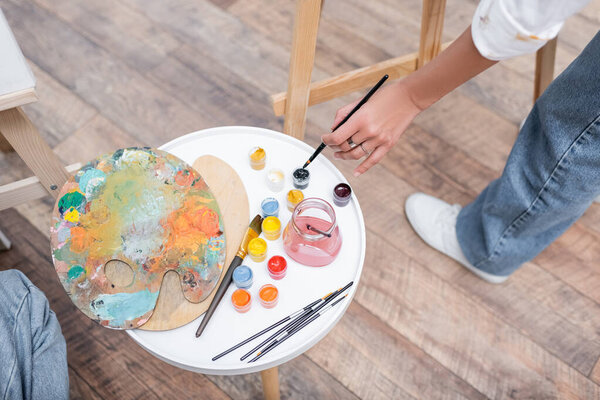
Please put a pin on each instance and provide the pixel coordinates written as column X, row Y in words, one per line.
column 241, row 300
column 294, row 197
column 342, row 194
column 269, row 207
column 312, row 237
column 271, row 227
column 243, row 277
column 257, row 249
column 275, row 180
column 300, row 178
column 277, row 267
column 268, row 296
column 258, row 158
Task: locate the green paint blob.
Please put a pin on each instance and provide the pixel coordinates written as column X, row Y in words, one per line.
column 75, row 271
column 71, row 200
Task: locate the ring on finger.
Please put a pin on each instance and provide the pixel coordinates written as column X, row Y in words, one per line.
column 363, row 149
column 350, row 142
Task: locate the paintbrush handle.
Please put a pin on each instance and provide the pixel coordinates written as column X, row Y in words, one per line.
column 236, row 262
column 347, row 117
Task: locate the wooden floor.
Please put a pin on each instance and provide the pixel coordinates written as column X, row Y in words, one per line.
column 114, row 73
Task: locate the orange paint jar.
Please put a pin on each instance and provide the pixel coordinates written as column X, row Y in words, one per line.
column 268, row 296
column 241, row 300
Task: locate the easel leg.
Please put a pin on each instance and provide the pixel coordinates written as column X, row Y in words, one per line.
column 5, row 147
column 544, row 68
column 4, row 242
column 27, row 142
column 304, row 43
column 270, row 381
column 432, row 24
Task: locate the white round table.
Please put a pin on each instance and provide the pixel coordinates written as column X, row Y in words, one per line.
column 299, row 287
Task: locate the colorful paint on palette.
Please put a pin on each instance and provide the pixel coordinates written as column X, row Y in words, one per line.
column 268, row 296
column 277, row 267
column 257, row 249
column 258, row 158
column 147, row 209
column 243, row 277
column 241, row 300
column 269, row 207
column 271, row 228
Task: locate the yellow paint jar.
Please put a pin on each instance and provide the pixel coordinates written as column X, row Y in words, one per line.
column 257, row 249
column 271, row 227
column 294, row 197
column 258, row 158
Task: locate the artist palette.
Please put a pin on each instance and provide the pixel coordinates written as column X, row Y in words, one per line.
column 301, row 284
column 145, row 209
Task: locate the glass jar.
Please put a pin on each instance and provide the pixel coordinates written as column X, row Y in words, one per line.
column 312, row 236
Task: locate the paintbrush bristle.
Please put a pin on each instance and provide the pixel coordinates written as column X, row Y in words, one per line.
column 256, row 224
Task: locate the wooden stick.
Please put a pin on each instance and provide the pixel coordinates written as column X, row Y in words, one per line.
column 19, row 192
column 348, row 82
column 27, row 142
column 270, row 381
column 432, row 24
column 544, row 68
column 304, row 43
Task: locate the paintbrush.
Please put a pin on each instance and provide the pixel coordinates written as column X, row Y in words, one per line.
column 267, row 329
column 293, row 324
column 342, row 122
column 253, row 231
column 286, row 335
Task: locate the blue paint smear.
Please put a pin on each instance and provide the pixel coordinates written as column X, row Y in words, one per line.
column 120, row 307
column 96, row 175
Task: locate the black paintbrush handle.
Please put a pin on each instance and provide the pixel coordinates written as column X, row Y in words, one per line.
column 236, row 262
column 342, row 122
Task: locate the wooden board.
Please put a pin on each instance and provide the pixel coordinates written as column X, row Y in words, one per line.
column 172, row 309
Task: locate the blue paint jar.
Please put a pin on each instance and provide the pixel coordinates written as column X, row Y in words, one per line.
column 243, row 277
column 269, row 207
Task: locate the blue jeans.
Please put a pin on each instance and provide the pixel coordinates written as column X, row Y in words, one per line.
column 551, row 176
column 33, row 353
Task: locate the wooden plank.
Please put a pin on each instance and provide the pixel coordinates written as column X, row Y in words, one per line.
column 304, row 43
column 17, row 99
column 123, row 95
column 80, row 389
column 375, row 361
column 25, row 190
column 25, row 139
column 122, row 31
column 463, row 336
column 352, row 81
column 544, row 68
column 432, row 24
column 56, row 120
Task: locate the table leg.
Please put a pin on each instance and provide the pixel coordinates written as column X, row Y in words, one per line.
column 270, row 381
column 27, row 142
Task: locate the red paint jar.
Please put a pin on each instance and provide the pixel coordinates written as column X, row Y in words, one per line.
column 277, row 267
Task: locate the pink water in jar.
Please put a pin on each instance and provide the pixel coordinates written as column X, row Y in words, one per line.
column 307, row 246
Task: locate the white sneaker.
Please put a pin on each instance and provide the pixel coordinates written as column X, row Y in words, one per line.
column 434, row 221
column 597, row 199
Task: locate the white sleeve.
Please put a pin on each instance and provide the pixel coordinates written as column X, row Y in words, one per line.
column 503, row 29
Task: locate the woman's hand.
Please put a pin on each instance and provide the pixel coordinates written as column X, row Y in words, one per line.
column 374, row 128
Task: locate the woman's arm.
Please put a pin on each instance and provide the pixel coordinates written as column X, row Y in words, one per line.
column 380, row 122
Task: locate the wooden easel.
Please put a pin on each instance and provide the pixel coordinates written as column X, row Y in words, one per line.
column 301, row 93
